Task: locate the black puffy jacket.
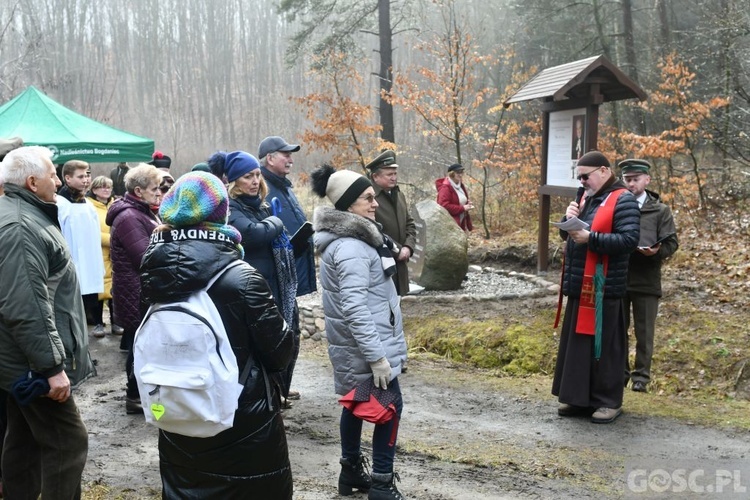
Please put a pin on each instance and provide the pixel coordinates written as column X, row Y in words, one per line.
column 258, row 229
column 252, row 456
column 618, row 244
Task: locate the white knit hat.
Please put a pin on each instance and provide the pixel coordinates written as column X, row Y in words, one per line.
column 342, row 187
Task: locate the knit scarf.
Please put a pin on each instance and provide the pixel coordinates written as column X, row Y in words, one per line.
column 250, row 201
column 462, row 199
column 286, row 275
column 386, row 251
column 347, row 224
column 283, row 261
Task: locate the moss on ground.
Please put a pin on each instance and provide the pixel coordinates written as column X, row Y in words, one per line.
column 696, row 354
column 514, row 346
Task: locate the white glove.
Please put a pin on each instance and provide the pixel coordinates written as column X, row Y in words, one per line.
column 381, row 373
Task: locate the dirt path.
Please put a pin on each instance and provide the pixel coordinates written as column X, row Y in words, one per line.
column 451, row 422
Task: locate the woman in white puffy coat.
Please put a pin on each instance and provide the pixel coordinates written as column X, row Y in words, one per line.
column 363, row 318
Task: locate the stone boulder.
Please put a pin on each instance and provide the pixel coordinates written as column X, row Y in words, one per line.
column 440, row 260
column 742, row 383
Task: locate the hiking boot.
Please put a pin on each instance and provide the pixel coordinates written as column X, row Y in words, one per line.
column 293, row 395
column 98, row 331
column 606, row 415
column 383, row 487
column 354, row 475
column 133, row 406
column 566, row 410
column 639, row 386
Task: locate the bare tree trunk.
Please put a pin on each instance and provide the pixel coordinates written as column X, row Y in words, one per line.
column 600, row 31
column 727, row 66
column 664, row 31
column 638, row 115
column 385, row 74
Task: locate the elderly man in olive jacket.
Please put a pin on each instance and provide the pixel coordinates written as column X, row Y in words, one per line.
column 393, row 214
column 43, row 337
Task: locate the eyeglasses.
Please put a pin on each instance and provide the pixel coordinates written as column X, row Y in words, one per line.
column 585, row 177
column 164, row 189
column 369, row 198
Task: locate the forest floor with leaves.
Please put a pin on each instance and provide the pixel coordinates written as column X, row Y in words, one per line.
column 477, row 433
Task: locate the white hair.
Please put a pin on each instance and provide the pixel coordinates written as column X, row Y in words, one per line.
column 22, row 163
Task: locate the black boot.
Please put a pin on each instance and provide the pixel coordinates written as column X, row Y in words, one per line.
column 383, row 487
column 354, row 475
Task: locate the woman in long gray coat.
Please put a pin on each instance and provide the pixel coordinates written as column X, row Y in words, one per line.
column 363, row 319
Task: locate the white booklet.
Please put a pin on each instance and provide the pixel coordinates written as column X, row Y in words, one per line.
column 572, row 224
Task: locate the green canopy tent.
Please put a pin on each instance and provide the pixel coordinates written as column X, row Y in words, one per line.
column 41, row 121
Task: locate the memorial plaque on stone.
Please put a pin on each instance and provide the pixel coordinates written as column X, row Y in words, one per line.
column 416, row 262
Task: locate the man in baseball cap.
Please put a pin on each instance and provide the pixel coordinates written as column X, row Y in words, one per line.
column 273, row 144
column 275, row 155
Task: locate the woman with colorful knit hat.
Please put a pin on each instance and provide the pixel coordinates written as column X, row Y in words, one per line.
column 192, row 245
column 363, row 320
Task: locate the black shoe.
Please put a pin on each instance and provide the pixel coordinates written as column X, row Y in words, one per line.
column 566, row 410
column 293, row 395
column 286, row 404
column 639, row 386
column 133, row 406
column 383, row 487
column 354, row 475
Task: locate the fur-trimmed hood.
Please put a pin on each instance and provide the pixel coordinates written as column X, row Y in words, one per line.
column 331, row 224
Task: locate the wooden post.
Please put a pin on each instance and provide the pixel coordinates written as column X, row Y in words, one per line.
column 542, row 246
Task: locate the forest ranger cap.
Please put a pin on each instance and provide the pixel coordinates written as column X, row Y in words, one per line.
column 633, row 166
column 386, row 159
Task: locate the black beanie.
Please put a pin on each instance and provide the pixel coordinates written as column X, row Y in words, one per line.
column 593, row 159
column 160, row 160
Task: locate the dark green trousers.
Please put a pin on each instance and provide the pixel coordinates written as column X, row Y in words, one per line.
column 45, row 450
column 644, row 308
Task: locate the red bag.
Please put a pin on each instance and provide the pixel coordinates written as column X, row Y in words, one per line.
column 373, row 404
